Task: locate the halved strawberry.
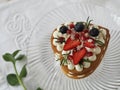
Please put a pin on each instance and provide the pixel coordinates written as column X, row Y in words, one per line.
column 77, row 57
column 89, row 43
column 70, row 44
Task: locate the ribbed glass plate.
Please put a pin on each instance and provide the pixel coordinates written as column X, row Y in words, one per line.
column 46, row 72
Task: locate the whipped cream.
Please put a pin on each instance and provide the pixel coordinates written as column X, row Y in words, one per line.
column 70, row 65
column 89, row 49
column 102, row 39
column 97, row 50
column 92, row 58
column 103, row 32
column 57, row 34
column 65, row 52
column 86, row 64
column 57, row 56
column 79, row 68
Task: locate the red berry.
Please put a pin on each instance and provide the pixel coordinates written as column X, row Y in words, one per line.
column 77, row 57
column 86, row 31
column 89, row 54
column 83, row 38
column 71, row 25
column 70, row 57
column 70, row 44
column 69, row 31
column 89, row 44
column 77, row 36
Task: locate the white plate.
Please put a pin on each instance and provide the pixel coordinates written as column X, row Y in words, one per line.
column 46, row 72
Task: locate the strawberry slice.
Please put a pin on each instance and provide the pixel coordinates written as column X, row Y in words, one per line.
column 89, row 43
column 70, row 44
column 77, row 57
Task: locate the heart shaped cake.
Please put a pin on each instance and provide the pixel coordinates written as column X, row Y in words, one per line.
column 80, row 47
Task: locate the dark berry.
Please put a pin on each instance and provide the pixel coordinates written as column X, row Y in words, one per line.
column 63, row 29
column 94, row 32
column 79, row 26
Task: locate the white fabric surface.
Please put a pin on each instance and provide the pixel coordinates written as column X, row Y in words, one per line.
column 17, row 20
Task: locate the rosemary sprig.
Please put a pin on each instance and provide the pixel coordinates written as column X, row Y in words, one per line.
column 86, row 60
column 64, row 59
column 88, row 23
column 99, row 42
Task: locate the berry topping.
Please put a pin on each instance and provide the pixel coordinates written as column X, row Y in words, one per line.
column 86, row 31
column 70, row 44
column 94, row 32
column 79, row 27
column 71, row 25
column 61, row 39
column 83, row 38
column 77, row 57
column 89, row 54
column 63, row 29
column 77, row 36
column 69, row 31
column 70, row 57
column 89, row 43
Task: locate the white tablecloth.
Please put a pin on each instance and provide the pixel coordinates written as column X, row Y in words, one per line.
column 17, row 20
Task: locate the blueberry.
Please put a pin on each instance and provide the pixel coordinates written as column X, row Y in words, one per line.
column 94, row 32
column 79, row 26
column 63, row 29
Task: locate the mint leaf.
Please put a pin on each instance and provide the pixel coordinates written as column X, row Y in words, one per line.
column 20, row 57
column 8, row 57
column 12, row 79
column 15, row 52
column 39, row 88
column 23, row 72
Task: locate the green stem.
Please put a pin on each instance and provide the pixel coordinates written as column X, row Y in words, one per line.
column 20, row 81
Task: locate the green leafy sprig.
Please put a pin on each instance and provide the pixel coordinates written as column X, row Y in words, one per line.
column 17, row 78
column 87, row 23
column 64, row 59
column 84, row 60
